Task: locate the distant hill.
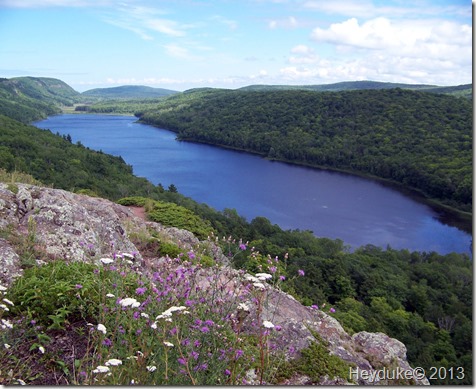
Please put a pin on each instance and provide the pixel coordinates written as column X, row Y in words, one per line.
column 128, row 92
column 461, row 90
column 31, row 98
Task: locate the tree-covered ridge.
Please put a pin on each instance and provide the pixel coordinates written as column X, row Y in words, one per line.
column 460, row 90
column 128, row 92
column 421, row 140
column 27, row 99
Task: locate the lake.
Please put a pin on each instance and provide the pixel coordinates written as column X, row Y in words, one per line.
column 333, row 205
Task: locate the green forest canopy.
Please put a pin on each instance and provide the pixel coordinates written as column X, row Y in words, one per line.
column 418, row 139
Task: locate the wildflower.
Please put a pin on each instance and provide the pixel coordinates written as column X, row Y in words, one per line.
column 78, row 286
column 242, row 246
column 301, row 273
column 141, row 291
column 251, row 278
column 273, row 269
column 227, row 372
column 143, row 314
column 8, row 302
column 209, row 322
column 197, row 343
column 138, row 331
column 113, row 362
column 110, row 295
column 7, row 346
column 41, row 349
column 259, row 285
column 154, row 325
column 194, row 355
column 168, row 344
column 238, row 353
column 268, row 324
column 107, row 261
column 136, row 315
column 21, row 382
column 127, row 255
column 282, row 278
column 182, row 361
column 128, row 301
column 332, row 310
column 243, row 307
column 6, row 324
column 4, row 307
column 151, row 368
column 102, row 328
column 278, row 328
column 263, row 276
column 2, row 288
column 205, row 329
column 101, row 369
column 191, row 255
column 107, row 342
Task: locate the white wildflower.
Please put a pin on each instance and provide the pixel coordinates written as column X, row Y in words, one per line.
column 151, row 368
column 143, row 314
column 113, row 362
column 7, row 346
column 268, row 324
column 6, row 324
column 2, row 288
column 21, row 382
column 107, row 261
column 101, row 369
column 259, row 285
column 128, row 255
column 154, row 325
column 263, row 276
column 8, row 302
column 129, row 301
column 4, row 307
column 110, row 295
column 132, row 357
column 102, row 328
column 42, row 349
column 251, row 278
column 243, row 307
column 168, row 344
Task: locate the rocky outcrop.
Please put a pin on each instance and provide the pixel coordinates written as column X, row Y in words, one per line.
column 74, row 227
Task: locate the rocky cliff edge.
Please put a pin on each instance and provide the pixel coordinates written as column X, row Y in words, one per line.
column 75, row 227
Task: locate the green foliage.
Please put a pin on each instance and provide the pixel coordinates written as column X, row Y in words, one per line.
column 419, row 140
column 316, row 362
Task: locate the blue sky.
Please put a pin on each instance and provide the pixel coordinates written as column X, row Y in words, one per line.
column 182, row 44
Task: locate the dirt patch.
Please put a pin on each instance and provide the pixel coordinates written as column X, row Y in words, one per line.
column 138, row 211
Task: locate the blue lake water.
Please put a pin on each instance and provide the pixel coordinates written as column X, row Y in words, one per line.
column 333, row 205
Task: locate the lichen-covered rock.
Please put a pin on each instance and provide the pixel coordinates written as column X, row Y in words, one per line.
column 9, row 263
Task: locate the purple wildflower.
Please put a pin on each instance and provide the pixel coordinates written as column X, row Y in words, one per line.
column 197, row 343
column 191, row 255
column 301, row 273
column 78, row 286
column 107, row 342
column 238, row 353
column 227, row 372
column 282, row 278
column 332, row 310
column 314, row 306
column 273, row 269
column 194, row 355
column 209, row 322
column 278, row 328
column 136, row 315
column 242, row 246
column 141, row 291
column 182, row 361
column 138, row 332
column 205, row 329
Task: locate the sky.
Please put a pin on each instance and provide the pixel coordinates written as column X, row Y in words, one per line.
column 183, row 44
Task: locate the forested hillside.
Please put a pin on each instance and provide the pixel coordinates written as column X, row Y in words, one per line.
column 421, row 140
column 32, row 98
column 128, row 92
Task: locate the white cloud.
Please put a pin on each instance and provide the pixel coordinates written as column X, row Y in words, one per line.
column 413, row 38
column 302, row 49
column 289, row 22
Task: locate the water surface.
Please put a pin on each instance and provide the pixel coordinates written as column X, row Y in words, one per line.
column 333, row 205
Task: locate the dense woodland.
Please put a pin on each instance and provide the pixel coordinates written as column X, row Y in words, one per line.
column 423, row 299
column 418, row 139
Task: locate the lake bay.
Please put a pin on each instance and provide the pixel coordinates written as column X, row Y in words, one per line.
column 334, row 205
